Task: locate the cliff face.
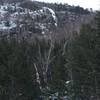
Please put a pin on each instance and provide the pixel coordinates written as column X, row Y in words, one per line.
column 27, row 19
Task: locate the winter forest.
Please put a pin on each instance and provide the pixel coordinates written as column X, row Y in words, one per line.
column 49, row 51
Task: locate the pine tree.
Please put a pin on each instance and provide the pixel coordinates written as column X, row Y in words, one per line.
column 17, row 74
column 82, row 65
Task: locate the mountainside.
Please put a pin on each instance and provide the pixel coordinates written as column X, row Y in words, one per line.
column 48, row 51
column 27, row 19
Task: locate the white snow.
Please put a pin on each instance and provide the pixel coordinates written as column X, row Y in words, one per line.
column 4, row 27
column 2, row 12
column 67, row 82
column 53, row 14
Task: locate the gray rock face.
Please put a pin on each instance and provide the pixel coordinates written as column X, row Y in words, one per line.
column 23, row 22
column 16, row 19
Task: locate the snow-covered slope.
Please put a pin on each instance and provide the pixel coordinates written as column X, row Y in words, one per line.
column 13, row 16
column 30, row 19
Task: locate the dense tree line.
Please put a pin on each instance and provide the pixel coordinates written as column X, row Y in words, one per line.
column 83, row 63
column 29, row 70
column 69, row 68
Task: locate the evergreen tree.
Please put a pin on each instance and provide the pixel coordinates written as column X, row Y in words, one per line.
column 17, row 74
column 83, row 65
